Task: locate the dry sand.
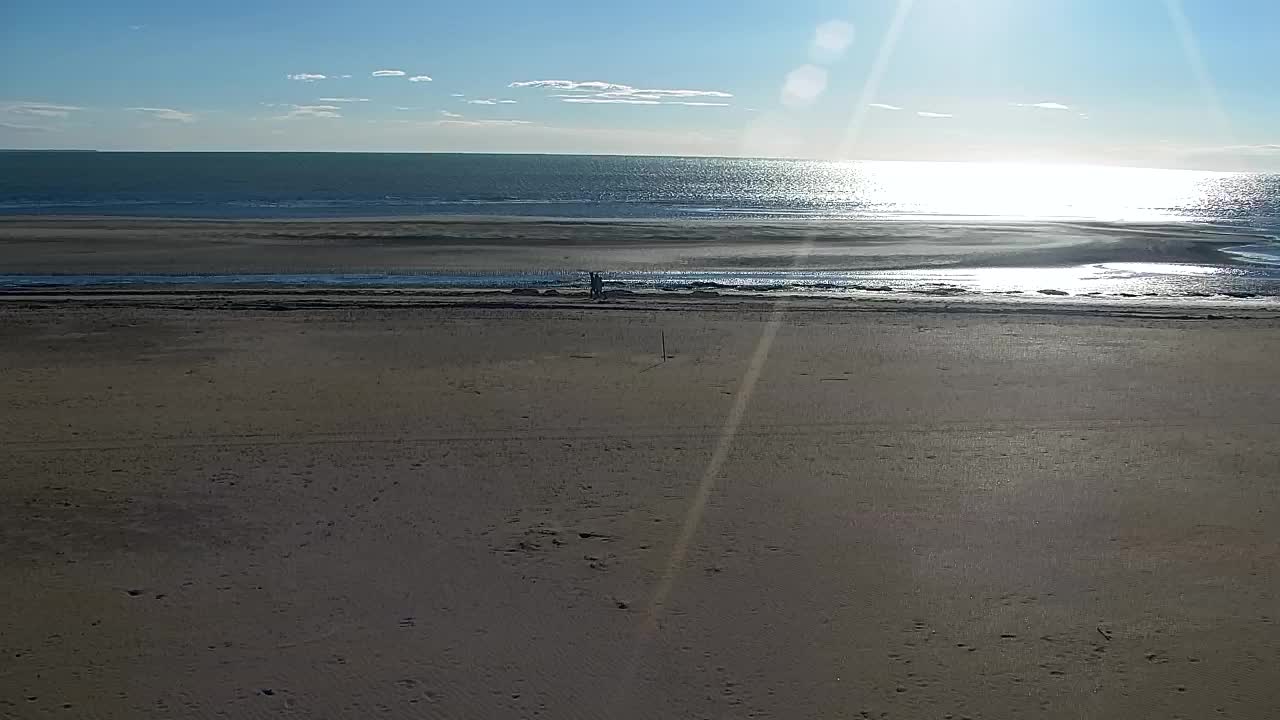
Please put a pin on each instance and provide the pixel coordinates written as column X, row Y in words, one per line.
column 458, row 512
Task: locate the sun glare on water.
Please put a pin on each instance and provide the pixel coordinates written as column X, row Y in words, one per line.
column 1038, row 191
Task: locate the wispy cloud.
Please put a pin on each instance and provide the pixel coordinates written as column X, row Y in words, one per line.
column 590, row 85
column 307, row 77
column 311, row 111
column 1044, row 106
column 605, row 101
column 388, row 73
column 603, row 93
column 342, row 100
column 884, row 106
column 448, row 114
column 166, row 114
column 490, row 101
column 19, row 127
column 420, row 78
column 924, row 114
column 402, row 109
column 37, row 109
column 684, row 93
column 482, row 123
column 457, row 95
column 135, row 28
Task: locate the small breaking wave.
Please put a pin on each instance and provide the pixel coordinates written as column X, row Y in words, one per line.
column 1259, row 253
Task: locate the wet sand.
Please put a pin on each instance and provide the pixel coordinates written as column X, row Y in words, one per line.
column 362, row 511
column 40, row 245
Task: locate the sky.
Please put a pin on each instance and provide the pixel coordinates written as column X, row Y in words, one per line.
column 1152, row 83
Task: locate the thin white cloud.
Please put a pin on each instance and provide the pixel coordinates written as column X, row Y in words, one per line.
column 402, row 109
column 483, row 123
column 607, row 101
column 420, row 78
column 307, row 77
column 590, row 85
column 924, row 114
column 136, row 27
column 482, row 102
column 388, row 73
column 345, row 77
column 342, row 100
column 598, row 92
column 37, row 109
column 686, row 93
column 448, row 114
column 506, row 102
column 696, row 103
column 457, row 95
column 885, row 106
column 166, row 114
column 1044, row 106
column 311, row 111
column 19, row 127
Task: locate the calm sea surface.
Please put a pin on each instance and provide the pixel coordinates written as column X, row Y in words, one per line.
column 331, row 185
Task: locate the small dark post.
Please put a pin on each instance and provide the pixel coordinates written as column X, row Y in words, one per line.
column 664, row 346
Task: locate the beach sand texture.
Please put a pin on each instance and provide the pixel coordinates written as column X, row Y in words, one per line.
column 468, row 512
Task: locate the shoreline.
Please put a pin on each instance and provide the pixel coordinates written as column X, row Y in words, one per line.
column 1169, row 284
column 840, row 259
column 530, row 299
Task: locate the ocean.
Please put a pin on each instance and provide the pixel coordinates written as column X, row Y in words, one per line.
column 1085, row 231
column 349, row 185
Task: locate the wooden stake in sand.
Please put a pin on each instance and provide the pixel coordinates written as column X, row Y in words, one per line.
column 664, row 345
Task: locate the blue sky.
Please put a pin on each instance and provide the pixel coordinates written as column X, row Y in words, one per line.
column 1169, row 83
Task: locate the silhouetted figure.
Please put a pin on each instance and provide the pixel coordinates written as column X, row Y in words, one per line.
column 597, row 287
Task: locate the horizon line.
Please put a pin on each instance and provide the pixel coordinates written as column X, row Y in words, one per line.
column 108, row 151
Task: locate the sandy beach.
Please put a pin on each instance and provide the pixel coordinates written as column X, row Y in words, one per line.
column 222, row 509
